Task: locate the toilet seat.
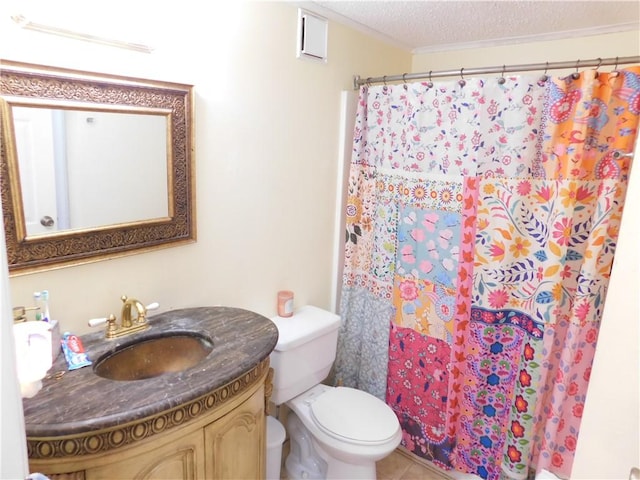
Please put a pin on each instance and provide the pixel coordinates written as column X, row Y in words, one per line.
column 354, row 416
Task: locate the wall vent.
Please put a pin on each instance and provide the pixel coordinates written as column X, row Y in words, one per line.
column 312, row 36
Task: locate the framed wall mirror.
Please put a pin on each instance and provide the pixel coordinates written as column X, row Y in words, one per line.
column 92, row 166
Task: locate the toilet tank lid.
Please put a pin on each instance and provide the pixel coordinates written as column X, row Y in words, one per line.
column 306, row 322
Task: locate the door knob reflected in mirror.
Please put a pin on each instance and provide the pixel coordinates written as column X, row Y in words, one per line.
column 46, row 221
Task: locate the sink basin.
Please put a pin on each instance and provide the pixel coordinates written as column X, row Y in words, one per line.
column 154, row 356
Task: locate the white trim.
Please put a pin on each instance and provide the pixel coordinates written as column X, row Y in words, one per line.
column 348, row 107
column 541, row 37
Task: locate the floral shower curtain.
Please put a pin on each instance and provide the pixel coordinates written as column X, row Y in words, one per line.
column 481, row 226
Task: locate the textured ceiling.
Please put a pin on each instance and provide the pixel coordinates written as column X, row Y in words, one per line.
column 432, row 25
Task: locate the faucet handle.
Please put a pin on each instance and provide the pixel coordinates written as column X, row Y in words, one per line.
column 96, row 322
column 111, row 324
column 152, row 306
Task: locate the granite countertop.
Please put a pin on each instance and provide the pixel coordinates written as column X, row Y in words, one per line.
column 81, row 401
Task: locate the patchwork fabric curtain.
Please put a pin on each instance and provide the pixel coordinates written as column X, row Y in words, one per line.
column 481, row 227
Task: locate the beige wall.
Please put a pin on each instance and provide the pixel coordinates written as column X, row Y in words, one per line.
column 267, row 128
column 598, row 46
column 609, row 440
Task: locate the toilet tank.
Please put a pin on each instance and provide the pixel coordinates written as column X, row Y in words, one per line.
column 304, row 353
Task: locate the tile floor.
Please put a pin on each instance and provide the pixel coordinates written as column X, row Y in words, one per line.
column 399, row 466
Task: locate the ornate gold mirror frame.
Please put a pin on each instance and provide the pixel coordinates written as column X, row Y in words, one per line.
column 53, row 87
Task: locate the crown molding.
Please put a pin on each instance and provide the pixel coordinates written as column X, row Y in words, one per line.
column 542, row 37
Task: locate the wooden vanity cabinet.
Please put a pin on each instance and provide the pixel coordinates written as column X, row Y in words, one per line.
column 228, row 442
column 235, row 445
column 178, row 458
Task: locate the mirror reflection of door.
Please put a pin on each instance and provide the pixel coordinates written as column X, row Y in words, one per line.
column 82, row 169
column 36, row 154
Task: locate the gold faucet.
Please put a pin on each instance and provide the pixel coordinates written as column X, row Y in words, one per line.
column 125, row 317
column 127, row 325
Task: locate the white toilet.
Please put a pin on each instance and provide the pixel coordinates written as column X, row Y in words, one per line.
column 334, row 432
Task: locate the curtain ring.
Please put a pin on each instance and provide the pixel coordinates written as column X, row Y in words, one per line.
column 615, row 72
column 597, row 67
column 430, row 83
column 404, row 80
column 462, row 82
column 544, row 77
column 384, row 80
column 501, row 80
column 368, row 81
column 576, row 75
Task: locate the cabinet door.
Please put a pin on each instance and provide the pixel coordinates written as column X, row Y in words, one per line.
column 181, row 458
column 236, row 443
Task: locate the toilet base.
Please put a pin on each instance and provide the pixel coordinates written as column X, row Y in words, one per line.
column 303, row 461
column 308, row 460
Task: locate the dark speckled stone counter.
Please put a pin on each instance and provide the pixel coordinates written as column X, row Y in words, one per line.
column 81, row 401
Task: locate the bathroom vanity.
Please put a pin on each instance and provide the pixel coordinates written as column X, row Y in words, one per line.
column 206, row 421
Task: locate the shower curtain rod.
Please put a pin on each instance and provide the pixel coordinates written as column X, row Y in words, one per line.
column 598, row 62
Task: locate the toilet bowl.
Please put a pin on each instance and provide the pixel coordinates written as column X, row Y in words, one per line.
column 334, row 432
column 349, row 429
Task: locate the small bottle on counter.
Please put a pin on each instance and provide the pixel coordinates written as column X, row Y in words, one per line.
column 37, row 301
column 41, row 300
column 285, row 303
column 46, row 316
